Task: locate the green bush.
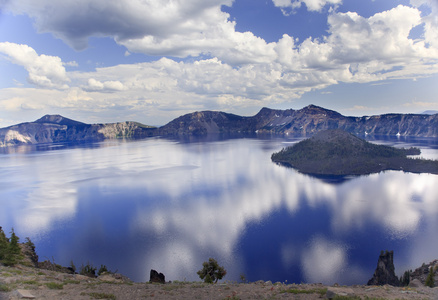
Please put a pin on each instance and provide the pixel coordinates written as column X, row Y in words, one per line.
column 72, row 266
column 4, row 288
column 211, row 271
column 55, row 285
column 88, row 270
column 95, row 295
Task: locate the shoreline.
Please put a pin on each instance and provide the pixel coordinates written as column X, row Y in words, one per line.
column 22, row 281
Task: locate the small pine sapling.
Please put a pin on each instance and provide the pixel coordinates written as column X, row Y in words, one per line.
column 430, row 280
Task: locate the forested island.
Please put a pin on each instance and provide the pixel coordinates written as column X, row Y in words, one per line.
column 336, row 152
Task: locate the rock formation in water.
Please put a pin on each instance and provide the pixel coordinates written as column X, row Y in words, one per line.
column 336, row 152
column 385, row 273
column 303, row 122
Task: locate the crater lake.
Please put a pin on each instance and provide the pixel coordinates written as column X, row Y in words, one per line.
column 169, row 205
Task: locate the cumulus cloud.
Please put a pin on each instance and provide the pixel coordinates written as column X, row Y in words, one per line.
column 384, row 36
column 359, row 49
column 44, row 70
column 168, row 27
column 288, row 6
column 241, row 70
column 430, row 20
column 108, row 86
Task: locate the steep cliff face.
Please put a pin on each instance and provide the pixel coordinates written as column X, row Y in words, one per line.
column 57, row 129
column 125, row 129
column 399, row 124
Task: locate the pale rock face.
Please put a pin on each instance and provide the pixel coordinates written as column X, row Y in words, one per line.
column 15, row 135
column 115, row 130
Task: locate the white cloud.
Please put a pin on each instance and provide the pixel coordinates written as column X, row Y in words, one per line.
column 168, row 27
column 383, row 36
column 244, row 71
column 430, row 20
column 44, row 70
column 71, row 64
column 108, row 86
column 312, row 5
column 95, row 85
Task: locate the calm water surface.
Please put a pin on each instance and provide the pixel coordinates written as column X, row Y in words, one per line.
column 168, row 205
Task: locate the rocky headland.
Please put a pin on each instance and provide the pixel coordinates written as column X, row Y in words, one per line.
column 339, row 153
column 58, row 129
column 303, row 122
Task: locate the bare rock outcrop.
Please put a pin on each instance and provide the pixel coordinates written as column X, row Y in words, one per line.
column 420, row 274
column 385, row 271
column 156, row 277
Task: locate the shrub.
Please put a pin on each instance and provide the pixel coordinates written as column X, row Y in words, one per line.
column 100, row 295
column 72, row 267
column 211, row 271
column 4, row 288
column 88, row 270
column 55, row 285
column 104, row 269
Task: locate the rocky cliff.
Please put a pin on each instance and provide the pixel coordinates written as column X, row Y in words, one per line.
column 57, row 129
column 302, row 122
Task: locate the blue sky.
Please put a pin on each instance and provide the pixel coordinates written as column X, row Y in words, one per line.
column 150, row 61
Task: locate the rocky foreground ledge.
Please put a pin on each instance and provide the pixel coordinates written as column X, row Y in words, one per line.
column 22, row 282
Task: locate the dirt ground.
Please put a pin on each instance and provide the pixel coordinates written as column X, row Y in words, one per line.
column 30, row 283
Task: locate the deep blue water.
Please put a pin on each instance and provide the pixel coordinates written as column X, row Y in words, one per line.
column 170, row 205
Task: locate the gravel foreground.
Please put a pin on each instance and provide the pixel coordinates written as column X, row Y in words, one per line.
column 22, row 282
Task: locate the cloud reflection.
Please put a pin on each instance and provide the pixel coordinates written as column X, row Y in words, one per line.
column 324, row 261
column 199, row 200
column 248, row 193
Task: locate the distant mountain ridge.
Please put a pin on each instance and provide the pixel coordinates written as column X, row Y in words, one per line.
column 303, row 122
column 430, row 112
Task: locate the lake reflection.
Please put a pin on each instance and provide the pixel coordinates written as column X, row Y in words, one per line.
column 161, row 204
